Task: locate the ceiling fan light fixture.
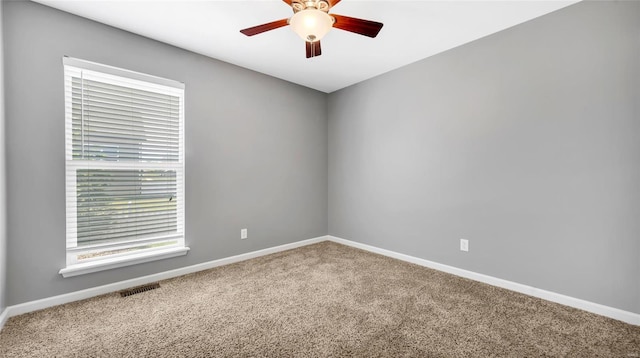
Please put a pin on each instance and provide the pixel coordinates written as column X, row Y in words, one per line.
column 311, row 24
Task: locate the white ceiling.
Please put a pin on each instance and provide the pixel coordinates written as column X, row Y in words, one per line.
column 412, row 30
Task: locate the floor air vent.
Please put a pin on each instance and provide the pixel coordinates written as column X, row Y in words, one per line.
column 139, row 289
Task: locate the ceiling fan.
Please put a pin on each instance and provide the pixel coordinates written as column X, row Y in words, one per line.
column 311, row 21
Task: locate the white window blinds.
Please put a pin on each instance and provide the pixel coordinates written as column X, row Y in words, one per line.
column 124, row 162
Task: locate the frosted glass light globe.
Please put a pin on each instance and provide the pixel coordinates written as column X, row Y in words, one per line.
column 311, row 24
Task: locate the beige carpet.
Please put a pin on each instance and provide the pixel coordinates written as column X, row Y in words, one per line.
column 323, row 300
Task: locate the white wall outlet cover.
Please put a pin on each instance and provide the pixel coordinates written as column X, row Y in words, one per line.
column 243, row 233
column 464, row 245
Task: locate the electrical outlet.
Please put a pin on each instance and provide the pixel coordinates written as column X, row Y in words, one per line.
column 243, row 234
column 464, row 245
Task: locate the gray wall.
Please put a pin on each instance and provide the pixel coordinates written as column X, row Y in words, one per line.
column 3, row 203
column 526, row 143
column 256, row 150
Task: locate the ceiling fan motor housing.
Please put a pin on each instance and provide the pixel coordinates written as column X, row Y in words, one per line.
column 299, row 5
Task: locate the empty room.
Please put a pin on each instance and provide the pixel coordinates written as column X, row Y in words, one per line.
column 319, row 178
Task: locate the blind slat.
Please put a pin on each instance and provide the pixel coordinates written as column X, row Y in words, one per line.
column 128, row 123
column 125, row 218
column 125, row 91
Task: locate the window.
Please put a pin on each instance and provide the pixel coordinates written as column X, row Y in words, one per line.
column 124, row 137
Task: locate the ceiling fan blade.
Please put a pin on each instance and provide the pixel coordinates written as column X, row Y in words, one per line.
column 359, row 26
column 265, row 27
column 313, row 49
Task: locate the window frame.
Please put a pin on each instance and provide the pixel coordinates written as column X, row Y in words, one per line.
column 170, row 245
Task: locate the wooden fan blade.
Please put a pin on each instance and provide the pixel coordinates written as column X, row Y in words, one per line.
column 359, row 26
column 265, row 27
column 313, row 49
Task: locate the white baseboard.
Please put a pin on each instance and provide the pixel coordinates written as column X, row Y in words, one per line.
column 615, row 313
column 31, row 306
column 4, row 316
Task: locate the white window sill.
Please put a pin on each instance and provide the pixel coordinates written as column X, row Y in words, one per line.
column 108, row 264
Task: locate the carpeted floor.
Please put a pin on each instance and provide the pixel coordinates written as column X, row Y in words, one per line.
column 323, row 300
